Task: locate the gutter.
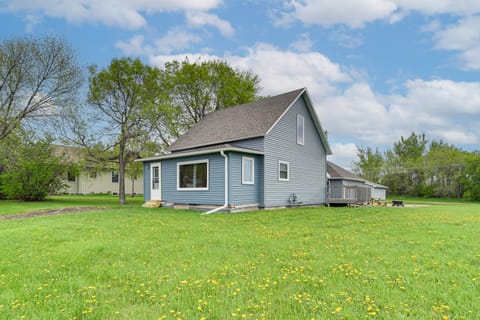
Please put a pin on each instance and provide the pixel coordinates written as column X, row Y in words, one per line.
column 226, row 187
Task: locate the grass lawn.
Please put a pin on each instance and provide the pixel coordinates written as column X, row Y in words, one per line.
column 306, row 263
column 58, row 202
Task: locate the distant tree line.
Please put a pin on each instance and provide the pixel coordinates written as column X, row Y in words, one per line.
column 129, row 109
column 419, row 168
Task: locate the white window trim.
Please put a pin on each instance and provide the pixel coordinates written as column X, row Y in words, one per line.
column 192, row 162
column 288, row 170
column 302, row 118
column 243, row 170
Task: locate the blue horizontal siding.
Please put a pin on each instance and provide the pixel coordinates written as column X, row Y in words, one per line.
column 307, row 176
column 244, row 194
column 214, row 195
column 254, row 144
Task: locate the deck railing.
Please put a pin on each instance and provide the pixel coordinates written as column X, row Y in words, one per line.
column 349, row 194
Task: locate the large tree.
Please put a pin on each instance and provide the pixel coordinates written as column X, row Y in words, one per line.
column 404, row 166
column 370, row 164
column 120, row 93
column 444, row 170
column 38, row 77
column 192, row 90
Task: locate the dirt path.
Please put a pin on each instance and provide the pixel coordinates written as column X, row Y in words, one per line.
column 49, row 212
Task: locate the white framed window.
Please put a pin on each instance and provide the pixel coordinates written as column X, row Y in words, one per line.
column 192, row 175
column 283, row 171
column 300, row 129
column 248, row 170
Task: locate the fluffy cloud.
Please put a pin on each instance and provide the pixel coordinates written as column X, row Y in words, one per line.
column 464, row 37
column 200, row 19
column 356, row 111
column 354, row 13
column 281, row 70
column 344, row 154
column 123, row 13
column 444, row 109
column 349, row 107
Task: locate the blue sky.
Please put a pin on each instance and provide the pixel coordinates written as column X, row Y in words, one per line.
column 375, row 69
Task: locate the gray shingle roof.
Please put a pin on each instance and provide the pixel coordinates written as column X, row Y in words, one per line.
column 236, row 123
column 336, row 172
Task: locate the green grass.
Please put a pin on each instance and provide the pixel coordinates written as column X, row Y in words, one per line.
column 8, row 207
column 307, row 263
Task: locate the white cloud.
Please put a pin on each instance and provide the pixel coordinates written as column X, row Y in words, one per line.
column 443, row 109
column 304, row 44
column 345, row 39
column 176, row 39
column 344, row 154
column 134, row 46
column 286, row 70
column 200, row 19
column 354, row 13
column 464, row 36
column 123, row 13
column 358, row 112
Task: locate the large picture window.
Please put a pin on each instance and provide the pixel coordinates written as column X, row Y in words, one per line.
column 248, row 170
column 283, row 171
column 300, row 129
column 192, row 175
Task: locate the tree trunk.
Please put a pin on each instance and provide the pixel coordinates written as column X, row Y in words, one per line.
column 121, row 174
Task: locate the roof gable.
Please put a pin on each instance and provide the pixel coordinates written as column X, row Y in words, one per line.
column 242, row 122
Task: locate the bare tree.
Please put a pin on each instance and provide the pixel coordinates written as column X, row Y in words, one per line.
column 120, row 94
column 37, row 78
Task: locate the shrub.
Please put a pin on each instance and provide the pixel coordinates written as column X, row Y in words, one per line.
column 31, row 172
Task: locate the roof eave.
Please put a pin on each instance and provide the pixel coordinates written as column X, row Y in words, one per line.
column 215, row 143
column 197, row 153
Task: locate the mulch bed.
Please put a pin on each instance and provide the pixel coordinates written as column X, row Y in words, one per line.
column 49, row 212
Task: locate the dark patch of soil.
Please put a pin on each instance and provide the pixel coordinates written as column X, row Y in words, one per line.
column 49, row 212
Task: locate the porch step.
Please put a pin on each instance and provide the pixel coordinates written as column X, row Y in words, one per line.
column 152, row 204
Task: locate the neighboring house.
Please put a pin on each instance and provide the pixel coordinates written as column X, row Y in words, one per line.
column 94, row 180
column 344, row 187
column 269, row 153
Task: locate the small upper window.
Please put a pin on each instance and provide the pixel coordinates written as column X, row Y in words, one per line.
column 248, row 170
column 283, row 171
column 300, row 129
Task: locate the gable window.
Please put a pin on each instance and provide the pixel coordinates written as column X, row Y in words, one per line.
column 192, row 175
column 283, row 171
column 114, row 176
column 248, row 170
column 300, row 129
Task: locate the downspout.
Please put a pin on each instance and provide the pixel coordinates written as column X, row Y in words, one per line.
column 226, row 187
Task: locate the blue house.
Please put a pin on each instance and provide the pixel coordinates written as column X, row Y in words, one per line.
column 265, row 154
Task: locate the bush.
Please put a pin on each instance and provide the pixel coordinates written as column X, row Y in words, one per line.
column 31, row 172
